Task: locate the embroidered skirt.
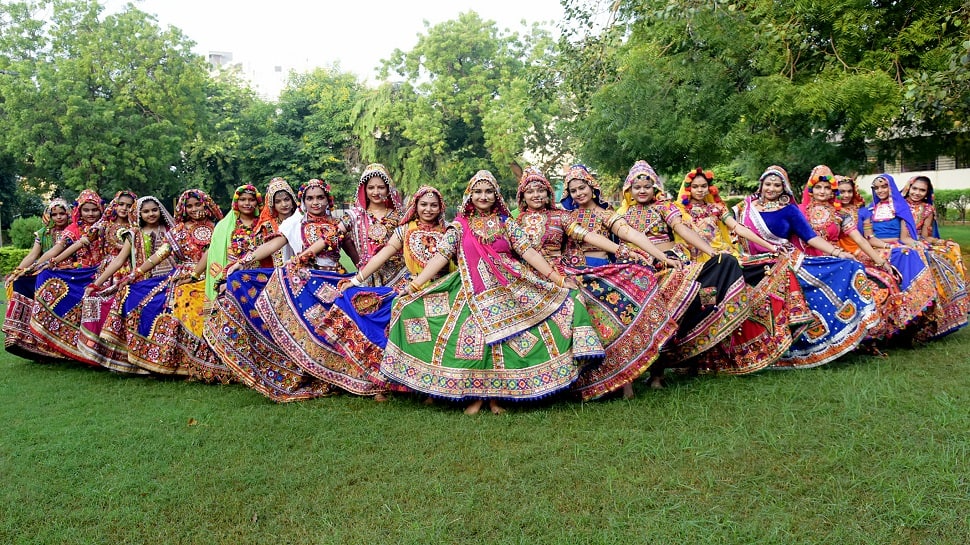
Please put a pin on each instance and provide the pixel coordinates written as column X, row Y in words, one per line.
column 56, row 316
column 18, row 338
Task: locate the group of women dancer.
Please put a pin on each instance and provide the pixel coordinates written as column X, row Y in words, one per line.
column 570, row 298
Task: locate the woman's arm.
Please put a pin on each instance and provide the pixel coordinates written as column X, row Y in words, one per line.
column 28, row 261
column 539, row 263
column 393, row 246
column 116, row 264
column 55, row 251
column 747, row 234
column 264, row 250
column 623, row 230
column 824, row 246
column 867, row 248
column 691, row 237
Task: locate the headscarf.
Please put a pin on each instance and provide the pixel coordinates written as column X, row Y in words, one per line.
column 46, row 233
column 928, row 199
column 533, row 175
column 111, row 212
column 315, row 182
column 781, row 173
column 857, row 200
column 899, row 203
column 218, row 253
column 268, row 213
column 77, row 227
column 467, row 207
column 580, row 172
column 641, row 170
column 821, row 174
column 212, row 211
column 246, row 188
column 477, row 253
column 134, row 215
column 411, row 212
column 713, row 196
column 376, row 170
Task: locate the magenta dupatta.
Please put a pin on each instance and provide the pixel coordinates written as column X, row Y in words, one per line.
column 476, row 252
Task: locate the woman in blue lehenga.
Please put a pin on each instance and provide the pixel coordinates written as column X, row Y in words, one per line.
column 835, row 286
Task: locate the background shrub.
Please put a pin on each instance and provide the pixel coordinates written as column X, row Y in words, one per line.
column 22, row 231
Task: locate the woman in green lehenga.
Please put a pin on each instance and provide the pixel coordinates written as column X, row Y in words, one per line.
column 494, row 329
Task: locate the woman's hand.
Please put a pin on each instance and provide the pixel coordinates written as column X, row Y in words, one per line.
column 674, row 263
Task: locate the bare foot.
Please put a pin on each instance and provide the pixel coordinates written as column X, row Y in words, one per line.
column 429, row 401
column 628, row 391
column 474, row 407
column 494, row 407
column 380, row 398
column 656, row 383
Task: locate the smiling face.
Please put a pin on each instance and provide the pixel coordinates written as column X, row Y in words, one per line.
column 483, row 196
column 581, row 192
column 772, row 188
column 123, row 205
column 315, row 201
column 150, row 214
column 376, row 190
column 643, row 190
column 698, row 188
column 918, row 191
column 536, row 196
column 194, row 208
column 822, row 192
column 880, row 188
column 283, row 204
column 59, row 217
column 428, row 208
column 246, row 204
column 90, row 213
column 846, row 192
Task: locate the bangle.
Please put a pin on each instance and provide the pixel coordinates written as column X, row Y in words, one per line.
column 562, row 282
column 412, row 287
column 356, row 281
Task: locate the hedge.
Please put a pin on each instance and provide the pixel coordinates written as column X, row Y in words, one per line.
column 10, row 258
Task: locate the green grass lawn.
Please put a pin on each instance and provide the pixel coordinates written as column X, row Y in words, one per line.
column 860, row 451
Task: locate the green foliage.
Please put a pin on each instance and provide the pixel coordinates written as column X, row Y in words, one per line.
column 749, row 84
column 11, row 257
column 466, row 103
column 952, row 203
column 22, row 231
column 101, row 102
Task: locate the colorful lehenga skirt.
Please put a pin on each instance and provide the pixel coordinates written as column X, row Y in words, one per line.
column 56, row 316
column 188, row 304
column 778, row 315
column 140, row 326
column 292, row 306
column 635, row 313
column 243, row 348
column 436, row 345
column 841, row 299
column 715, row 313
column 903, row 296
column 950, row 312
column 18, row 338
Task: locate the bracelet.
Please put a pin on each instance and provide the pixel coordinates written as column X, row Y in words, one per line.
column 356, row 281
column 194, row 277
column 562, row 281
column 412, row 287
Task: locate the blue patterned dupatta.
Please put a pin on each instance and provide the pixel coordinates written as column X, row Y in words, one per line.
column 239, row 337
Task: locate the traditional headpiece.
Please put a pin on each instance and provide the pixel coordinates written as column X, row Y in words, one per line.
column 713, row 195
column 48, row 211
column 87, row 196
column 315, row 182
column 268, row 213
column 531, row 175
column 111, row 212
column 411, row 212
column 641, row 170
column 928, row 199
column 134, row 215
column 246, row 188
column 857, row 200
column 821, row 175
column 775, row 170
column 482, row 176
column 376, row 170
column 900, row 205
column 210, row 207
column 580, row 172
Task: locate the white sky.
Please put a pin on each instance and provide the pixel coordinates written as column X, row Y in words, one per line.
column 301, row 34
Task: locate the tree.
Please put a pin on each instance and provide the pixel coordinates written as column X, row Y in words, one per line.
column 747, row 84
column 105, row 103
column 466, row 104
